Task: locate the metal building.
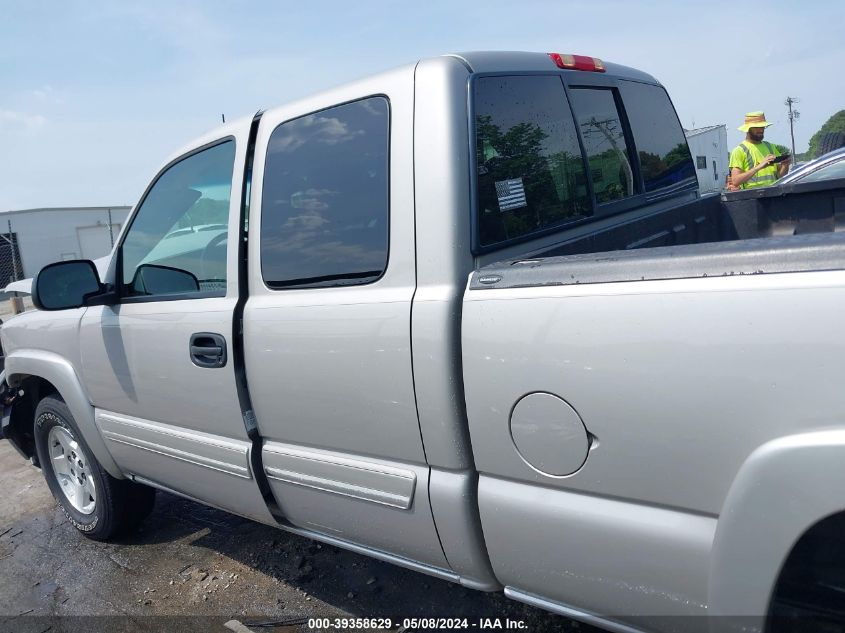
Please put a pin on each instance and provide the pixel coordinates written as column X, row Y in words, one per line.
column 32, row 238
column 709, row 148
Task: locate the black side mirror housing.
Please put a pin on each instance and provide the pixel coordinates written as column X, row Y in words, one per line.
column 67, row 285
column 152, row 279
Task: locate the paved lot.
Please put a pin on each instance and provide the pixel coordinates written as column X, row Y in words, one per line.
column 189, row 560
column 6, row 310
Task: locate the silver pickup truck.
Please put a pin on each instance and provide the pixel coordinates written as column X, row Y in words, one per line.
column 472, row 317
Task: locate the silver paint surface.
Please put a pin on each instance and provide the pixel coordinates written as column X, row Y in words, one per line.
column 454, row 503
column 55, row 369
column 548, row 434
column 599, row 555
column 407, row 533
column 680, row 380
column 136, row 363
column 782, row 490
column 443, row 258
column 330, row 369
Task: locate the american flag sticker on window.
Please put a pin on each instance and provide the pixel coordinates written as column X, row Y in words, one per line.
column 511, row 194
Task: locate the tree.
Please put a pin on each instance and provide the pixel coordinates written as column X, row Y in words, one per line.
column 515, row 153
column 836, row 123
column 677, row 155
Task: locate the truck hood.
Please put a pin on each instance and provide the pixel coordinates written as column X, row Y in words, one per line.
column 24, row 286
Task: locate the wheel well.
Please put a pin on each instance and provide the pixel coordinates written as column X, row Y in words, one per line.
column 22, row 417
column 809, row 591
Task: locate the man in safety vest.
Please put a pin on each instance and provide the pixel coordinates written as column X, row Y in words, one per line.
column 752, row 162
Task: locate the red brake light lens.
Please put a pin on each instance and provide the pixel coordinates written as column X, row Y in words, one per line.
column 577, row 62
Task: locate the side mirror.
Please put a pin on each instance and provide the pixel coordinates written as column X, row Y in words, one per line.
column 151, row 279
column 66, row 285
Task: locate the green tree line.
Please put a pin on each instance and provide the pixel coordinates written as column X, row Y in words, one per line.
column 834, row 124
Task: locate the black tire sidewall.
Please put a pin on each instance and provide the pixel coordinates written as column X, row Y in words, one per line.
column 52, row 412
column 830, row 142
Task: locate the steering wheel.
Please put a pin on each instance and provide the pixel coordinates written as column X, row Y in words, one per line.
column 210, row 260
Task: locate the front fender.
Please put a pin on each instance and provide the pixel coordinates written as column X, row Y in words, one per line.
column 60, row 373
column 783, row 489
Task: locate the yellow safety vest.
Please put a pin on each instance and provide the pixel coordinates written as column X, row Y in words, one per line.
column 755, row 156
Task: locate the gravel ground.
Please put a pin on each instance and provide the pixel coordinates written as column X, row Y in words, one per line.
column 193, row 568
column 6, row 311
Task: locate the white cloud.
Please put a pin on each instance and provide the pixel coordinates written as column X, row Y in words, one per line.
column 332, row 131
column 46, row 94
column 308, row 222
column 11, row 121
column 42, row 93
column 322, row 129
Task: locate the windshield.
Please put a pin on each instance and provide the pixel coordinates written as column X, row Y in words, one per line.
column 833, row 170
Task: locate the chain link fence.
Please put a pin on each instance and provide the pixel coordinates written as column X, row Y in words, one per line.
column 11, row 268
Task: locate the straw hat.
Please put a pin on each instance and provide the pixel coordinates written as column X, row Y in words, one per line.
column 754, row 119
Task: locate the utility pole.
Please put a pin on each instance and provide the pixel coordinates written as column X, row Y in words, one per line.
column 605, row 128
column 793, row 115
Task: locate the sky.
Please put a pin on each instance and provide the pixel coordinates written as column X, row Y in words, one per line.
column 95, row 95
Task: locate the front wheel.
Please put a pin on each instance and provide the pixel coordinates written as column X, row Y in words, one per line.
column 96, row 503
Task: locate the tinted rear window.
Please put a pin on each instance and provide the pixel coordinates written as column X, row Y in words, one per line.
column 324, row 209
column 665, row 158
column 604, row 141
column 530, row 172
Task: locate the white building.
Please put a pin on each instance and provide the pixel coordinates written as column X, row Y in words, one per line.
column 44, row 236
column 709, row 148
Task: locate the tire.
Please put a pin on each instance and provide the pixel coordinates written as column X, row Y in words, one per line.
column 97, row 504
column 830, row 142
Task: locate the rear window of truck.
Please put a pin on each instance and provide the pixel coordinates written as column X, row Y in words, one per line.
column 603, row 136
column 665, row 159
column 530, row 171
column 542, row 163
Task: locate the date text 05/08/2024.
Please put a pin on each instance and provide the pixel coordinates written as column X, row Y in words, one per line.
column 481, row 624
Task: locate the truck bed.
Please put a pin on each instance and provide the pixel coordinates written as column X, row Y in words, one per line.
column 610, row 421
column 793, row 228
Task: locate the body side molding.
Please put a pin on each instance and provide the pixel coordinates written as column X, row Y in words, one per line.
column 366, row 480
column 220, row 454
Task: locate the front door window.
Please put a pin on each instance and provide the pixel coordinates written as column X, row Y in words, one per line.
column 176, row 244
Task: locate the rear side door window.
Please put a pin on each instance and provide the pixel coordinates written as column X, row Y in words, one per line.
column 609, row 158
column 324, row 209
column 530, row 173
column 664, row 155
